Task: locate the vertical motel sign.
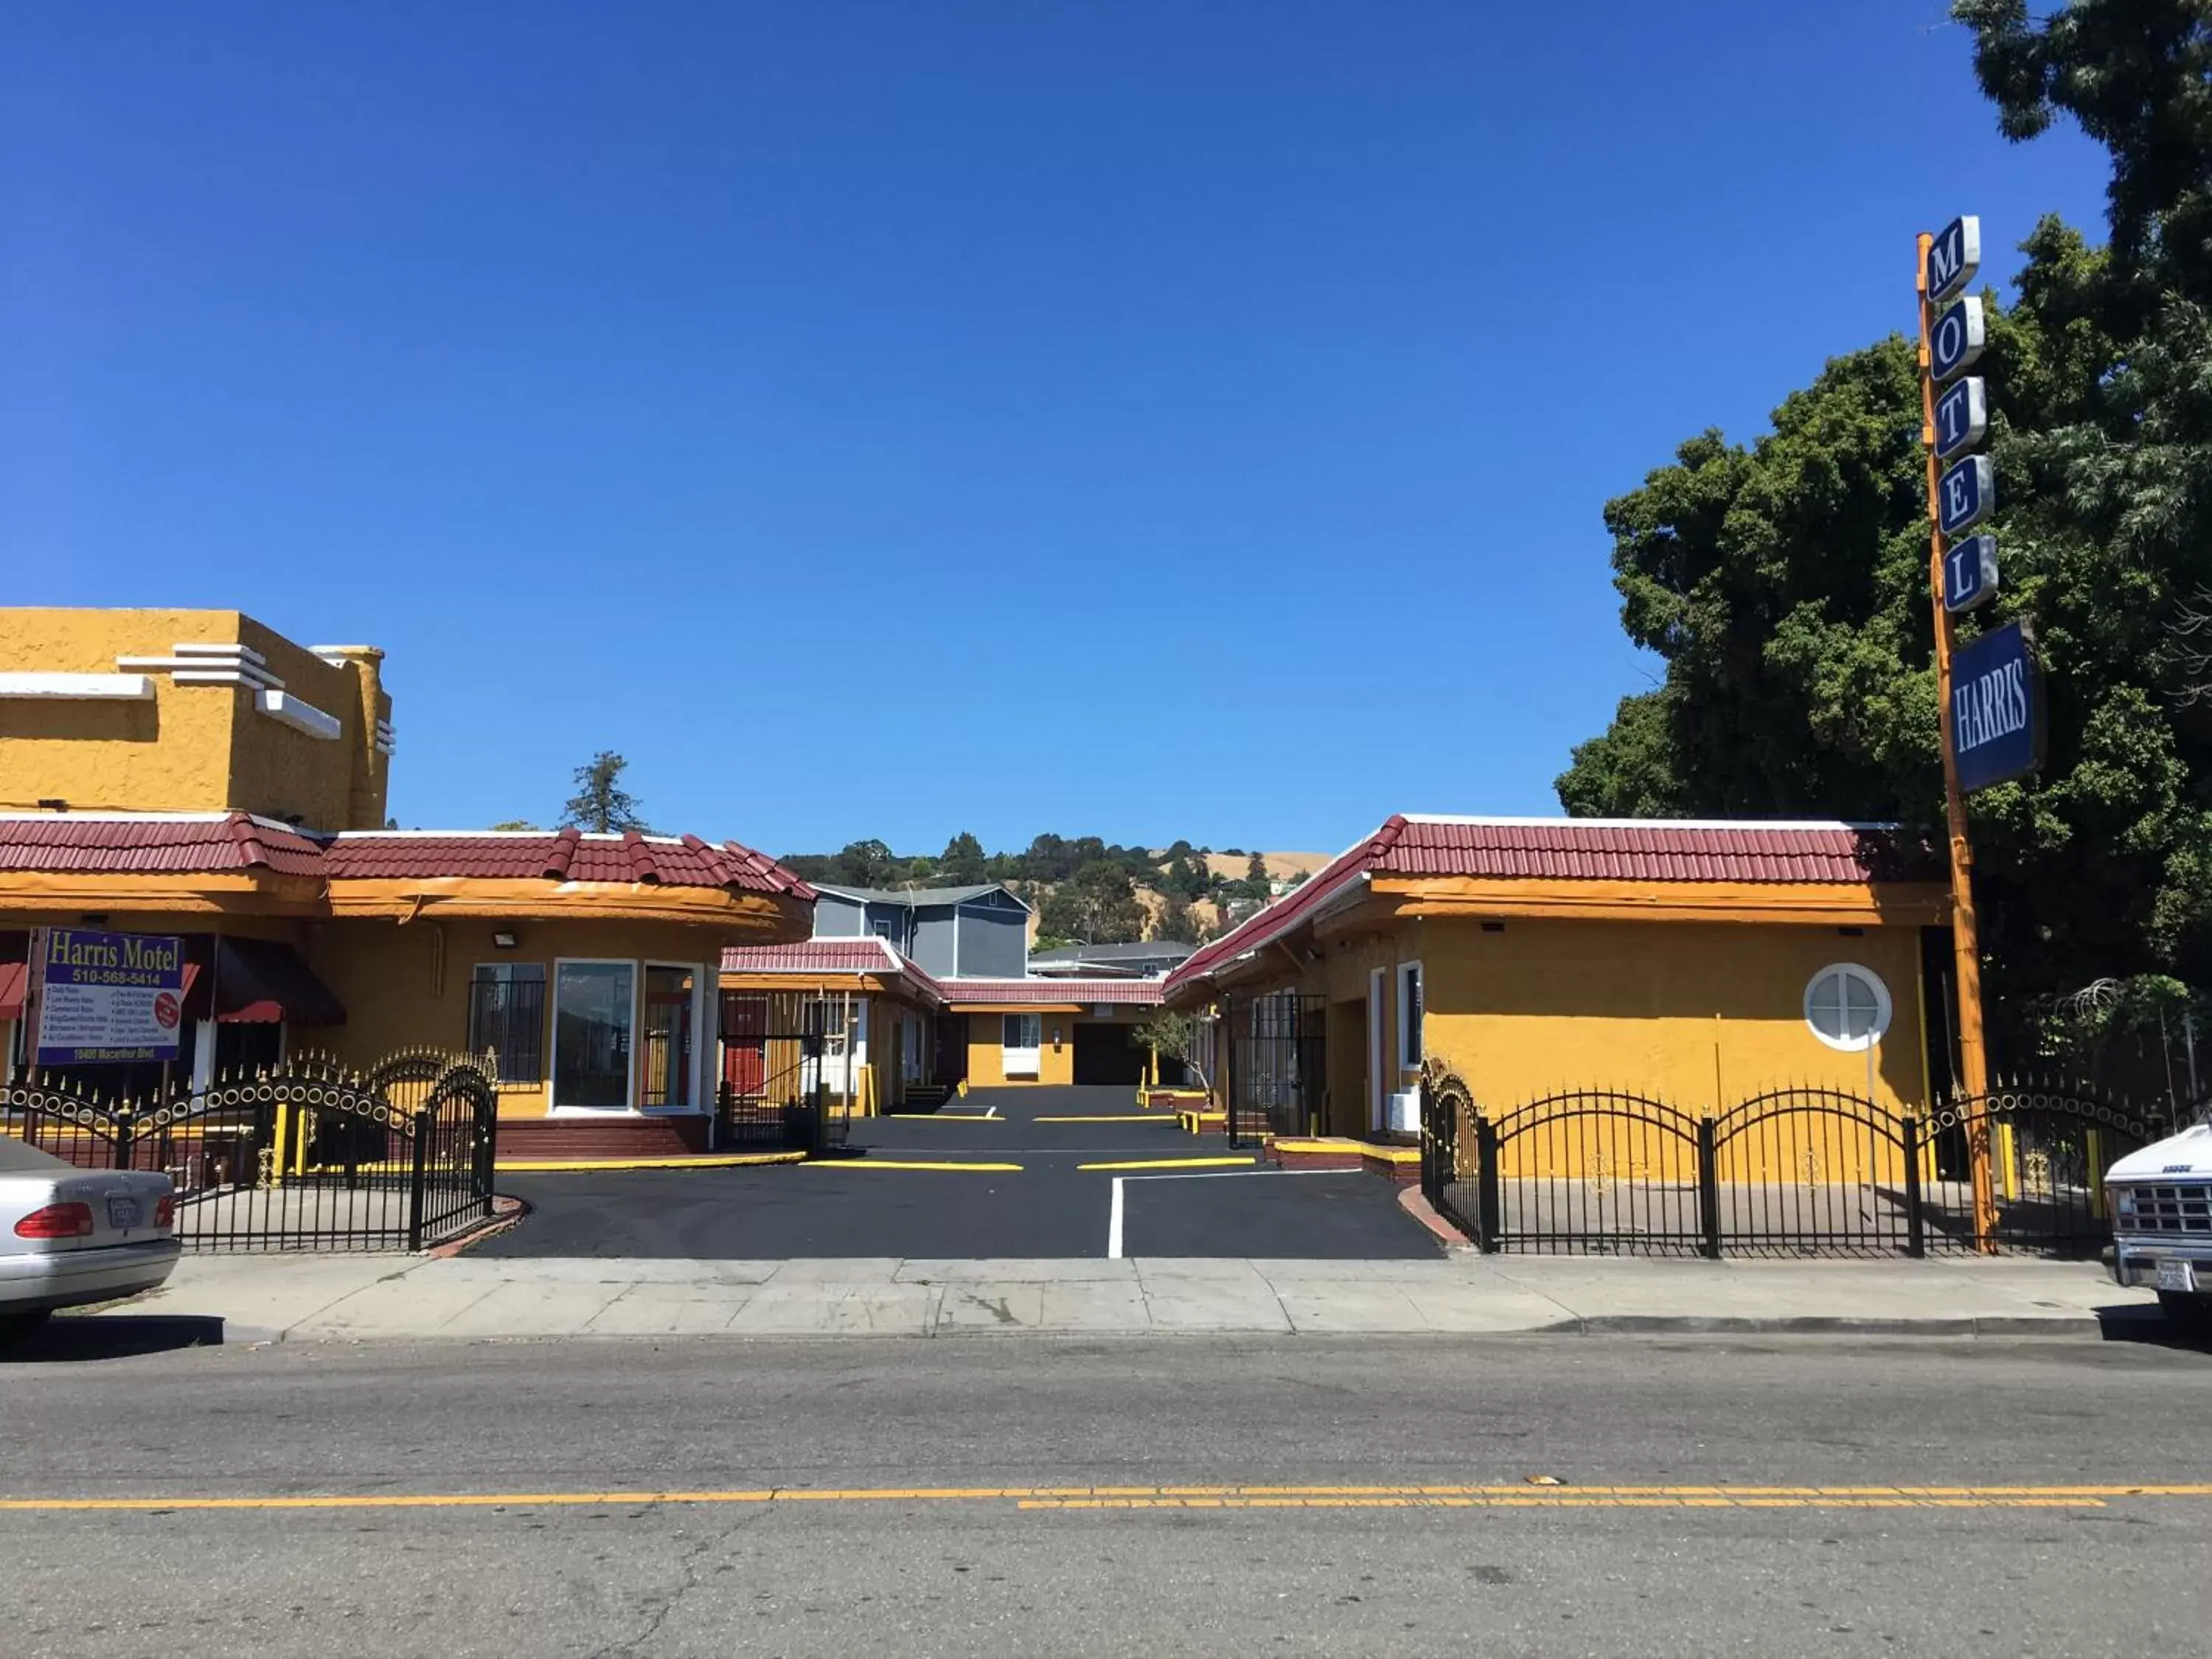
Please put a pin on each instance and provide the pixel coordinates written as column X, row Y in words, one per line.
column 1986, row 693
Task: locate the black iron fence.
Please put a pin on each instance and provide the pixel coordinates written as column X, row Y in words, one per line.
column 1276, row 1067
column 776, row 1092
column 305, row 1156
column 1799, row 1171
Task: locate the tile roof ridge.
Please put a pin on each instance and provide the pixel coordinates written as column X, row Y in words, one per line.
column 1500, row 821
column 244, row 835
column 434, row 834
column 767, row 868
column 65, row 816
column 562, row 853
column 642, row 869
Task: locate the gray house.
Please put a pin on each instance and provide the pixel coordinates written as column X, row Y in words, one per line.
column 950, row 932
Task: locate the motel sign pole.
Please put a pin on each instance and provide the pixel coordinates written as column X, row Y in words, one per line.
column 1973, row 1057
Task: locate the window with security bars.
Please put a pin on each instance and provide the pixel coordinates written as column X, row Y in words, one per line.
column 507, row 1017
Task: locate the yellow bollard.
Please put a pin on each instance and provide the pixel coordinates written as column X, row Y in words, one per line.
column 2010, row 1164
column 2095, row 1161
column 277, row 1165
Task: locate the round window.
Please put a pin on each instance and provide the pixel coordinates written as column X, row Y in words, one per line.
column 1847, row 1006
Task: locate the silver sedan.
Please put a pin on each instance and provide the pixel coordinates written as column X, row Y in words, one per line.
column 70, row 1236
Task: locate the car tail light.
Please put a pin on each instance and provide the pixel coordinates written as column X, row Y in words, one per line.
column 165, row 1212
column 56, row 1221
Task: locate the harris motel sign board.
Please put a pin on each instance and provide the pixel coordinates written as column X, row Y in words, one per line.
column 108, row 997
column 1997, row 708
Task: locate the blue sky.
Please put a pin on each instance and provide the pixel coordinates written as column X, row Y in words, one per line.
column 1130, row 419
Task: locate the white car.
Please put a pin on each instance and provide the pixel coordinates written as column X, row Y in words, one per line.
column 70, row 1236
column 2161, row 1204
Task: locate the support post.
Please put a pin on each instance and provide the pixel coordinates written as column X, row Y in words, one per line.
column 1708, row 1190
column 1916, row 1231
column 418, row 1183
column 1488, row 1206
column 1228, row 1069
column 1973, row 1059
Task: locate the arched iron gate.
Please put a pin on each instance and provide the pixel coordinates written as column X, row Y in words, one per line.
column 1789, row 1172
column 305, row 1156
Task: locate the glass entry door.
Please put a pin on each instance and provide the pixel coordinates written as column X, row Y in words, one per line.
column 669, row 996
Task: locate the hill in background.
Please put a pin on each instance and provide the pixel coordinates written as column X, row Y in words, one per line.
column 1084, row 889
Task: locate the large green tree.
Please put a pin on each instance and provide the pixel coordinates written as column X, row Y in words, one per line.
column 1099, row 905
column 601, row 804
column 962, row 864
column 1785, row 584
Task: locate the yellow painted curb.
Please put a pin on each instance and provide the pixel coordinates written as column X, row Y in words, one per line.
column 1169, row 1163
column 894, row 1164
column 703, row 1161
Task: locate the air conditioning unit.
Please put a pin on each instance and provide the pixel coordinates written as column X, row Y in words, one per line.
column 1404, row 1114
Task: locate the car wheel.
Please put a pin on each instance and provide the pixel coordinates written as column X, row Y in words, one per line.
column 2192, row 1315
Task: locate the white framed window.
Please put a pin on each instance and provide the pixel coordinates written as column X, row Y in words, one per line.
column 1847, row 1006
column 1021, row 1038
column 1410, row 1032
column 594, row 1015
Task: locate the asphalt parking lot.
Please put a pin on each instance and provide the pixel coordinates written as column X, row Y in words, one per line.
column 1000, row 1173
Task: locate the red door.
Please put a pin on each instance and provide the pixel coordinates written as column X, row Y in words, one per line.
column 744, row 1043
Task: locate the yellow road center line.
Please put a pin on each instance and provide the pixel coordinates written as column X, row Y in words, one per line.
column 896, row 1163
column 1170, row 1164
column 1112, row 1117
column 1222, row 1497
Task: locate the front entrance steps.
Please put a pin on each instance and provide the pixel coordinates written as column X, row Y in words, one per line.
column 1399, row 1164
column 566, row 1139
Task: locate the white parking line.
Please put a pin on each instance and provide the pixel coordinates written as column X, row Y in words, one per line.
column 1114, row 1214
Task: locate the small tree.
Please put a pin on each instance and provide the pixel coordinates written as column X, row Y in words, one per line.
column 1176, row 1035
column 601, row 804
column 1177, row 921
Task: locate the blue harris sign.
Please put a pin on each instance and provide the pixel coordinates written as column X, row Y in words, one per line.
column 1996, row 708
column 1955, row 343
column 1962, row 416
column 1967, row 495
column 1970, row 574
column 1954, row 258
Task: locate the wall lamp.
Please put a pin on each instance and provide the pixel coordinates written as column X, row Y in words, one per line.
column 504, row 941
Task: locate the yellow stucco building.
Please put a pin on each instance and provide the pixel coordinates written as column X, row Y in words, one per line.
column 190, row 773
column 1696, row 964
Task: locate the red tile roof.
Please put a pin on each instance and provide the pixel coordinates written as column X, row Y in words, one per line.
column 1581, row 849
column 154, row 844
column 207, row 843
column 557, row 855
column 831, row 956
column 1134, row 992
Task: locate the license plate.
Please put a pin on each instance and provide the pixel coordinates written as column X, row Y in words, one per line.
column 2177, row 1276
column 124, row 1213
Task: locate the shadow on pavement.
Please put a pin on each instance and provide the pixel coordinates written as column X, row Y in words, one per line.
column 2131, row 1321
column 66, row 1340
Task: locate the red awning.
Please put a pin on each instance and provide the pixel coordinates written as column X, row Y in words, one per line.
column 261, row 983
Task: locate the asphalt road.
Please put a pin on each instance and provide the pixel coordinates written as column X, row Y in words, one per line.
column 961, row 1183
column 896, row 1552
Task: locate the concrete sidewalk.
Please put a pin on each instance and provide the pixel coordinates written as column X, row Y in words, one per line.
column 368, row 1298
